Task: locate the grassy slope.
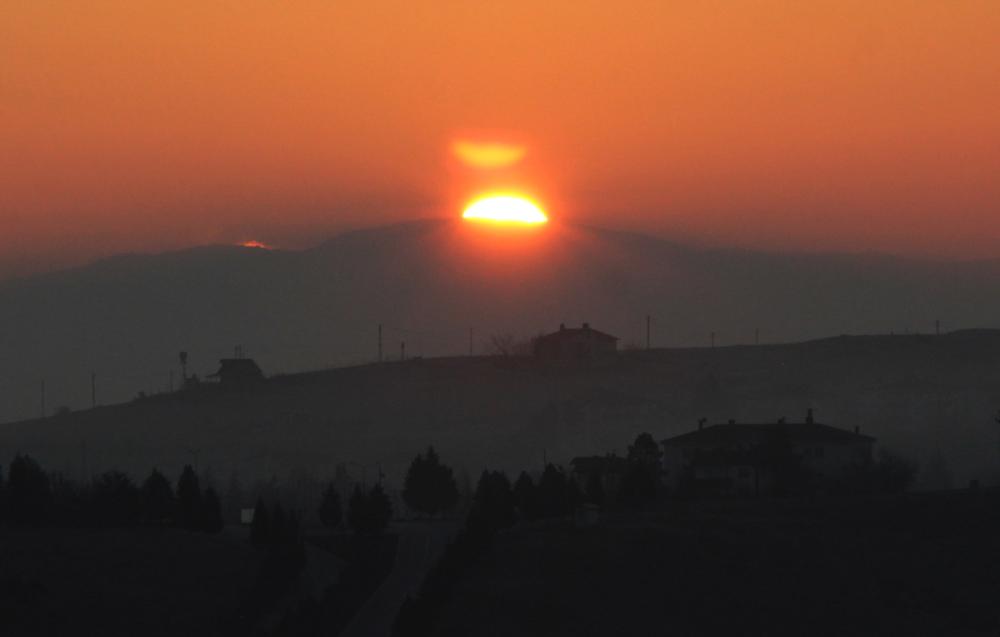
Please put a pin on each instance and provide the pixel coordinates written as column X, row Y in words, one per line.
column 920, row 565
column 917, row 394
column 120, row 582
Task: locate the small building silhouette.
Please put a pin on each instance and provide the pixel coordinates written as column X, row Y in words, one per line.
column 610, row 469
column 238, row 373
column 575, row 345
column 751, row 459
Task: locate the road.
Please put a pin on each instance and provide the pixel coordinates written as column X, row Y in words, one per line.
column 420, row 545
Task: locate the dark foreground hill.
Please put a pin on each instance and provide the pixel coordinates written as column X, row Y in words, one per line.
column 931, row 398
column 125, row 319
column 914, row 565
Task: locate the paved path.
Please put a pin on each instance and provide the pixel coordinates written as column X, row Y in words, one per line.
column 420, row 545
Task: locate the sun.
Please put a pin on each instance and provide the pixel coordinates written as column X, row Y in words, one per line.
column 505, row 208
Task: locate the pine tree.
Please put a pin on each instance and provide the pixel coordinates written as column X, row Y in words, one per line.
column 157, row 499
column 494, row 501
column 430, row 486
column 188, row 499
column 330, row 512
column 29, row 494
column 115, row 499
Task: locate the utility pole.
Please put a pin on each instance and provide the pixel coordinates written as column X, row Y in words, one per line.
column 402, row 350
column 647, row 331
column 184, row 368
column 43, row 399
column 93, row 390
column 380, row 342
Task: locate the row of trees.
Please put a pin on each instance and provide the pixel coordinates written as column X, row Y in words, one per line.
column 497, row 504
column 31, row 496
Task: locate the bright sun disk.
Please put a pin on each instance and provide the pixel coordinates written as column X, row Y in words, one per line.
column 505, row 209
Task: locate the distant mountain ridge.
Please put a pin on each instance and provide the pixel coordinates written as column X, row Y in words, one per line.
column 428, row 283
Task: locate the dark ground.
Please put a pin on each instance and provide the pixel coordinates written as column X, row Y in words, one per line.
column 913, row 565
column 129, row 582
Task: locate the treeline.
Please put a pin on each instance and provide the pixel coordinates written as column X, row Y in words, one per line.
column 367, row 551
column 497, row 504
column 30, row 496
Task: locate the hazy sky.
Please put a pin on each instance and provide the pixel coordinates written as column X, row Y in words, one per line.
column 813, row 125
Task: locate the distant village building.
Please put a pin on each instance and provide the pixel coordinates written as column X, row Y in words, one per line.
column 238, row 373
column 575, row 345
column 609, row 469
column 752, row 459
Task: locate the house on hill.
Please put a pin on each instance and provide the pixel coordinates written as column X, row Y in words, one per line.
column 238, row 373
column 575, row 345
column 753, row 459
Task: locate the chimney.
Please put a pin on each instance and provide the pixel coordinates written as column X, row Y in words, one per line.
column 701, row 423
column 562, row 327
column 857, row 430
column 732, row 422
column 809, row 416
column 586, row 326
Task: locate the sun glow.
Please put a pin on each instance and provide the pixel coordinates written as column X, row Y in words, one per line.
column 504, row 208
column 488, row 154
column 260, row 245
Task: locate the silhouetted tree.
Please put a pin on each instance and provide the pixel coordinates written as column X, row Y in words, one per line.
column 156, row 499
column 430, row 486
column 331, row 514
column 493, row 503
column 210, row 518
column 645, row 451
column 260, row 526
column 526, row 496
column 116, row 499
column 28, row 491
column 188, row 499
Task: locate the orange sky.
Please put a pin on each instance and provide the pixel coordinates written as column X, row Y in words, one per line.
column 794, row 125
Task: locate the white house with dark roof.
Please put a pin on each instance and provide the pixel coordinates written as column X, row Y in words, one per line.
column 737, row 458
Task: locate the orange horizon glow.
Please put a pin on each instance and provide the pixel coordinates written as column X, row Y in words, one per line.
column 505, row 209
column 822, row 126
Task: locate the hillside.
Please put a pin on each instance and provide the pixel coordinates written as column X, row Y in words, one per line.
column 931, row 398
column 125, row 319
